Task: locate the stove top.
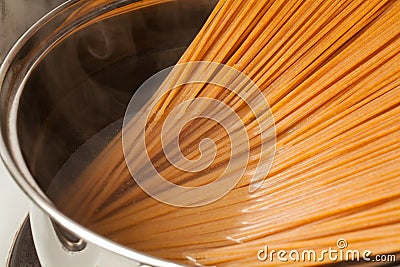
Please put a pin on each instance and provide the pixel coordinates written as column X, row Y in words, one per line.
column 23, row 251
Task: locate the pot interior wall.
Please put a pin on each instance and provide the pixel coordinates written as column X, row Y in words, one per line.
column 86, row 82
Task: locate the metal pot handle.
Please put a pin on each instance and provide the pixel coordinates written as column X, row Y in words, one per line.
column 53, row 249
column 57, row 247
column 69, row 241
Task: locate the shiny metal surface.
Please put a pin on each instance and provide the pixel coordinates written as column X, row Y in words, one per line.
column 16, row 16
column 45, row 110
column 69, row 241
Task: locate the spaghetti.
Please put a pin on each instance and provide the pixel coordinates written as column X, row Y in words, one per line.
column 331, row 73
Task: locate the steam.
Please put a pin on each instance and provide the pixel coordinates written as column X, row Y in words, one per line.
column 105, row 40
column 77, row 101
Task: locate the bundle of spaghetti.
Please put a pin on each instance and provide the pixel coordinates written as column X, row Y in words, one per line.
column 330, row 71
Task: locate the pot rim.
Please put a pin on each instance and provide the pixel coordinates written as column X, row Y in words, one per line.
column 11, row 155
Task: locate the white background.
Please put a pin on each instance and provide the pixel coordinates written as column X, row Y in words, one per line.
column 13, row 209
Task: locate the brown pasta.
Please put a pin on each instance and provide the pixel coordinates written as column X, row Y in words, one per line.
column 330, row 71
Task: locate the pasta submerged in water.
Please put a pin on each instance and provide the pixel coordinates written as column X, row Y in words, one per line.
column 330, row 71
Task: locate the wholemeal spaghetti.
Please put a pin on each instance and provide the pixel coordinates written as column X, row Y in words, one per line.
column 330, row 71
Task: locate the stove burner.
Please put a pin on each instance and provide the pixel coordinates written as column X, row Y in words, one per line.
column 23, row 252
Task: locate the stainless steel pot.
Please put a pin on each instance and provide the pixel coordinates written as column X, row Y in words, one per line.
column 69, row 76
